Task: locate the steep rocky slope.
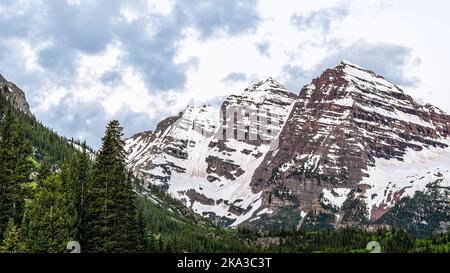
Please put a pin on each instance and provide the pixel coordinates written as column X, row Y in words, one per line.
column 192, row 156
column 353, row 146
column 14, row 95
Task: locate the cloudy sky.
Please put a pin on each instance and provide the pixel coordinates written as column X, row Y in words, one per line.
column 82, row 63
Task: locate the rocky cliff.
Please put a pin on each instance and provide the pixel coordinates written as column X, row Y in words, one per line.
column 14, row 94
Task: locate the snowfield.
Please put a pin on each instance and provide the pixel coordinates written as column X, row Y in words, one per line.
column 390, row 179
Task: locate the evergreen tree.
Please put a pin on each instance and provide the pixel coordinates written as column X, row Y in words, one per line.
column 144, row 239
column 110, row 218
column 79, row 176
column 50, row 220
column 43, row 173
column 12, row 243
column 15, row 169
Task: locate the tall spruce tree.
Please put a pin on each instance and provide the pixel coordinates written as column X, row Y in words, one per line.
column 80, row 173
column 15, row 169
column 50, row 218
column 110, row 218
column 74, row 177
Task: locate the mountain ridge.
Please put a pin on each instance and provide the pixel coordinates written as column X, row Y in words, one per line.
column 329, row 139
column 338, row 122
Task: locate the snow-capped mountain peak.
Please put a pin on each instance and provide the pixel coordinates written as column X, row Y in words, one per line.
column 362, row 76
column 345, row 128
column 266, row 85
column 338, row 144
column 207, row 157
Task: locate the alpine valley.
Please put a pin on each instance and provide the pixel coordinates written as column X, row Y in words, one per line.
column 349, row 159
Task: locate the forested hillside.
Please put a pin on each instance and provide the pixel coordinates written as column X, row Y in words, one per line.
column 47, row 144
column 170, row 230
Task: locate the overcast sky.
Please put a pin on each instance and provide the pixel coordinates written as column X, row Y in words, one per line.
column 82, row 63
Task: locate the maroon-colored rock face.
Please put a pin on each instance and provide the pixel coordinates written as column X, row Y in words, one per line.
column 342, row 122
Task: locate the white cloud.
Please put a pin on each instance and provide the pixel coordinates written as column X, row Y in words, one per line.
column 162, row 7
column 73, row 2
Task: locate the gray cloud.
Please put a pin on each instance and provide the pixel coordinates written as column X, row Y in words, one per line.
column 296, row 76
column 154, row 57
column 86, row 27
column 87, row 120
column 111, row 77
column 385, row 59
column 58, row 59
column 73, row 119
column 263, row 48
column 232, row 17
column 235, row 77
column 321, row 19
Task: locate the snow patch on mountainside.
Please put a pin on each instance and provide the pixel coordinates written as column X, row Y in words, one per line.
column 391, row 180
column 81, row 148
column 335, row 197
